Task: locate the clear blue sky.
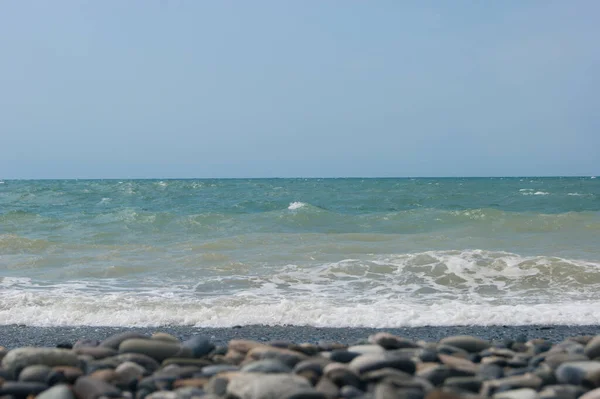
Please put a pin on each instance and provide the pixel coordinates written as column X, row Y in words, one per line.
column 183, row 88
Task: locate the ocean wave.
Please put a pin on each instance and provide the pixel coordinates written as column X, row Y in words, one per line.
column 426, row 288
column 296, row 205
column 131, row 225
column 125, row 310
column 530, row 192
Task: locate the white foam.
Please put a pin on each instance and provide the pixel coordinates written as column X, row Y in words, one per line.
column 526, row 189
column 471, row 287
column 125, row 310
column 575, row 194
column 296, row 205
column 536, row 193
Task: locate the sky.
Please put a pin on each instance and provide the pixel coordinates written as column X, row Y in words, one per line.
column 192, row 89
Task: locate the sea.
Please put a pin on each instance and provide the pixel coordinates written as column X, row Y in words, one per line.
column 393, row 252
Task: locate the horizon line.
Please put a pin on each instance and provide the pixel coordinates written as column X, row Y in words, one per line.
column 302, row 177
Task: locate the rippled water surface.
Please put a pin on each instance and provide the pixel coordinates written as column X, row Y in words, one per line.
column 325, row 252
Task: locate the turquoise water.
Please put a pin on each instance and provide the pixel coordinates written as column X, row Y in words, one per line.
column 327, row 252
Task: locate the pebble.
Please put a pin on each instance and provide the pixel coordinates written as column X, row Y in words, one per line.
column 576, row 372
column 592, row 349
column 364, row 363
column 134, row 366
column 267, row 386
column 466, row 342
column 61, row 391
column 157, row 349
column 17, row 359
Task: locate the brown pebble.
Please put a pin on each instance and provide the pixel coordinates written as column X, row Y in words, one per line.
column 108, row 375
column 243, row 345
column 71, row 373
column 191, row 382
column 97, row 352
column 439, row 394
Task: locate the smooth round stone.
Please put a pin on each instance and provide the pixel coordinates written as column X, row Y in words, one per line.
column 592, row 349
column 350, row 392
column 366, row 349
column 115, row 340
column 200, row 345
column 385, row 390
column 197, row 382
column 438, row 374
column 459, row 363
column 593, row 394
column 365, row 363
column 35, row 373
column 327, row 388
column 490, row 371
column 561, row 392
column 343, row 356
column 389, row 341
column 576, row 372
column 22, row 388
column 330, row 346
column 568, row 346
column 157, row 350
column 523, row 393
column 17, row 359
column 162, row 395
column 266, row 366
column 209, row 371
column 61, row 391
column 97, row 352
column 161, row 336
column 217, row 385
column 312, row 367
column 510, row 383
column 267, row 386
column 499, row 352
column 69, row 373
column 472, row 384
column 428, row 355
column 189, row 392
column 546, row 373
column 444, row 349
column 186, row 361
column 466, row 342
column 306, row 348
column 287, row 356
column 341, row 375
column 3, row 352
column 108, row 375
column 128, row 371
column 114, row 361
column 243, row 345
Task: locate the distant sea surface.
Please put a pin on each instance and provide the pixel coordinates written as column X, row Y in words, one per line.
column 318, row 252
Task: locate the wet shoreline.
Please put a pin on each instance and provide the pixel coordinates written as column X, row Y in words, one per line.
column 13, row 336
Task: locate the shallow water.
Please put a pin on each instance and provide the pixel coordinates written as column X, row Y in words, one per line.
column 321, row 252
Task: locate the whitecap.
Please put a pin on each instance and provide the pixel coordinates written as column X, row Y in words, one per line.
column 296, row 205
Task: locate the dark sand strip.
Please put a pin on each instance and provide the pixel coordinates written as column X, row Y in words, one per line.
column 12, row 336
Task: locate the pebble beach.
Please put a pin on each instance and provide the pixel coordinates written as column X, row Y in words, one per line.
column 263, row 362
